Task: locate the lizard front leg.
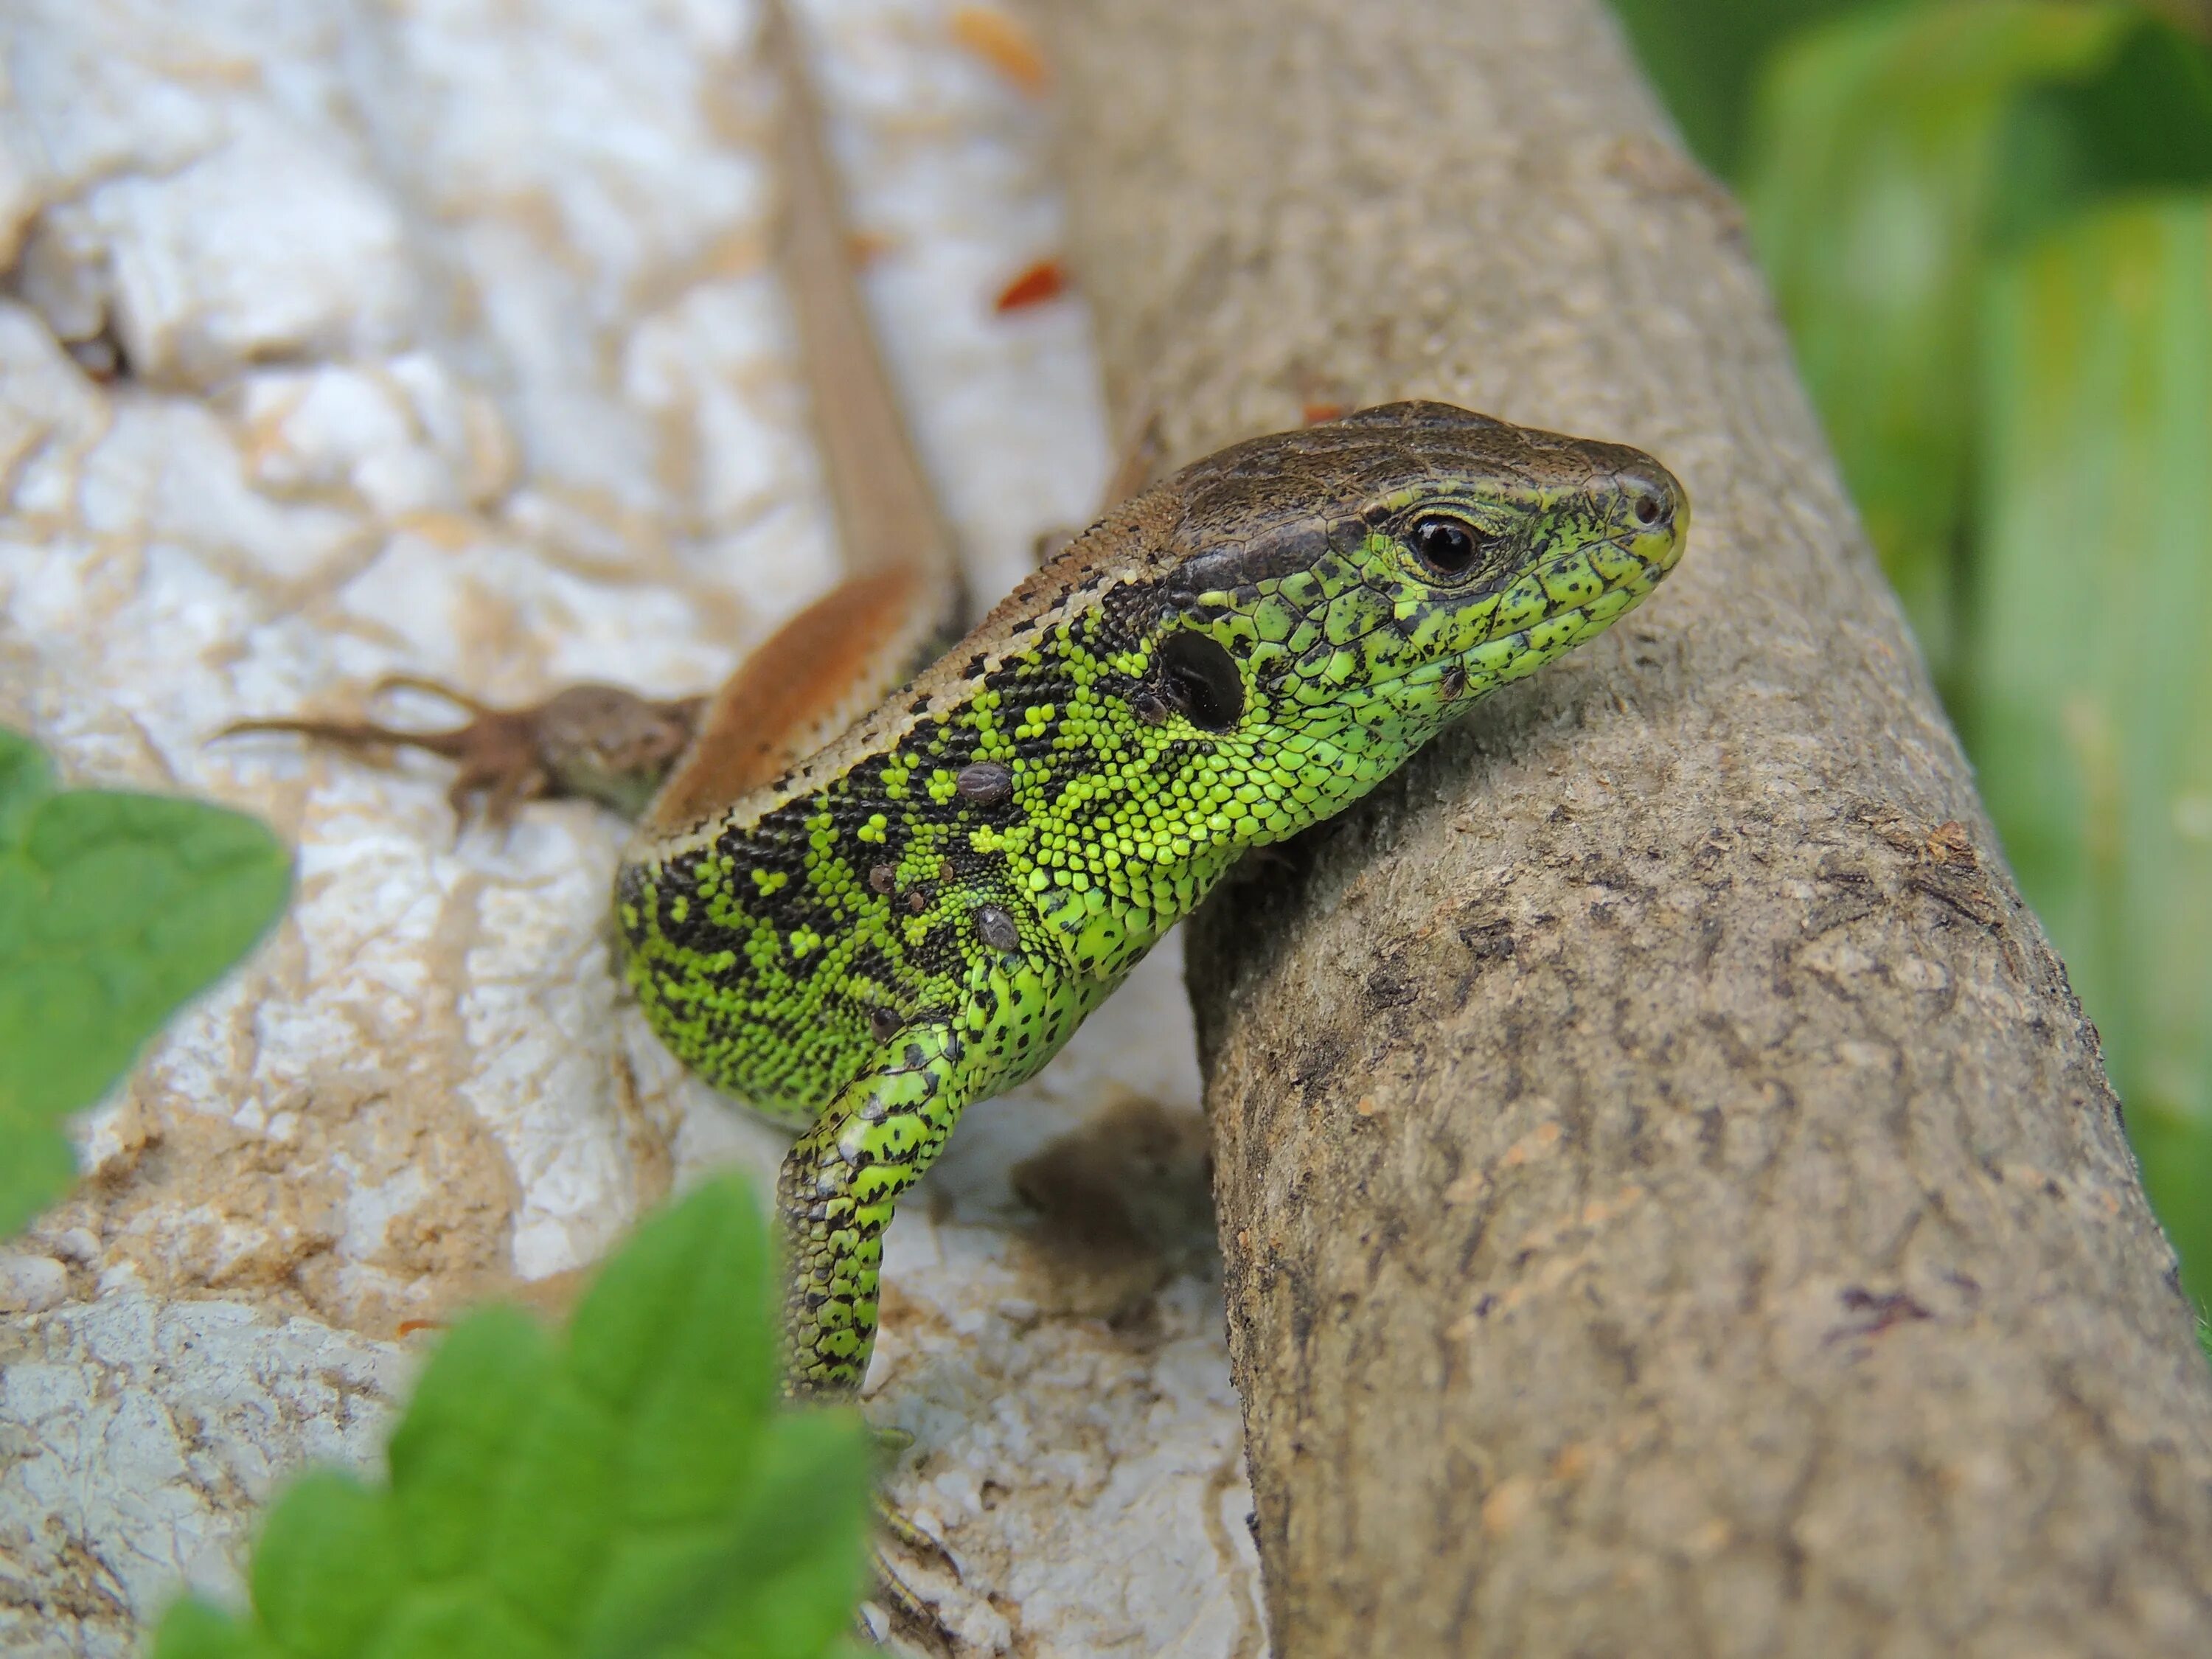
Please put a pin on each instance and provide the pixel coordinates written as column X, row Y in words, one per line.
column 836, row 1193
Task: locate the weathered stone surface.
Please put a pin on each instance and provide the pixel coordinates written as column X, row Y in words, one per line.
column 448, row 346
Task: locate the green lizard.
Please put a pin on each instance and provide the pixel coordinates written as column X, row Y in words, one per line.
column 861, row 939
column 862, row 922
column 918, row 914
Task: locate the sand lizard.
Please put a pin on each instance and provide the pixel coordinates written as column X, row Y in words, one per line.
column 862, row 901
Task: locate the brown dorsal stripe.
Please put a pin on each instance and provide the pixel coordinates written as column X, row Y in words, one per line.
column 809, row 680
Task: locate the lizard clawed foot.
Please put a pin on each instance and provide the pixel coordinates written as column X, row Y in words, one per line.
column 599, row 742
column 894, row 1521
column 910, row 1615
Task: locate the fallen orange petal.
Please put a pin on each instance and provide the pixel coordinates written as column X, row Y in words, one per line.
column 409, row 1326
column 1005, row 43
column 1316, row 413
column 1037, row 283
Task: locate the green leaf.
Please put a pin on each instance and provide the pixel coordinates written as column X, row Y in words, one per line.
column 329, row 1568
column 1703, row 55
column 2094, row 685
column 667, row 1333
column 36, row 1167
column 560, row 1507
column 26, row 779
column 193, row 1630
column 634, row 1491
column 2144, row 123
column 682, row 1298
column 776, row 1575
column 458, row 1621
column 1892, row 154
column 450, row 1456
column 114, row 908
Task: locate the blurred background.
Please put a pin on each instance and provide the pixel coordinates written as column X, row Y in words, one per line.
column 1987, row 224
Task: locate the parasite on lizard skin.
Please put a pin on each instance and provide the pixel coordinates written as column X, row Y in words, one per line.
column 1220, row 662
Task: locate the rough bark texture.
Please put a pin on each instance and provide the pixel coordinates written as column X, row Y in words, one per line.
column 1672, row 1199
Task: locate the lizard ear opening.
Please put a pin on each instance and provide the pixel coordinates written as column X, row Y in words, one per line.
column 1202, row 677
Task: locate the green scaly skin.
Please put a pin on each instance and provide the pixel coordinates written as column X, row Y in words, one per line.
column 920, row 914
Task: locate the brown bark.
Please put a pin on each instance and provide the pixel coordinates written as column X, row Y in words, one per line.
column 1672, row 1199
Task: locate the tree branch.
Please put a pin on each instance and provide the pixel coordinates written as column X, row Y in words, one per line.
column 1672, row 1199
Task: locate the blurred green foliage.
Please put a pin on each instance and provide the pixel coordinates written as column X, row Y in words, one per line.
column 2093, row 694
column 114, row 908
column 1893, row 157
column 1987, row 224
column 632, row 1491
column 1706, row 55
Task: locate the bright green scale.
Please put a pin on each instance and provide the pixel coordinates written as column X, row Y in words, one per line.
column 919, row 915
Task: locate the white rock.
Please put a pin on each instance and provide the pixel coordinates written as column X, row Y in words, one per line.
column 140, row 1438
column 31, row 1284
column 452, row 349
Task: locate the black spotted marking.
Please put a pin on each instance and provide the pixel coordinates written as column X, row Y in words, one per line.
column 975, row 668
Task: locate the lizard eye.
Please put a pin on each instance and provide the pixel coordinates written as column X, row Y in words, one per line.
column 1447, row 547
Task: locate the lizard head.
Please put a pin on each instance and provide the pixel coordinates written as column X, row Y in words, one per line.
column 1349, row 589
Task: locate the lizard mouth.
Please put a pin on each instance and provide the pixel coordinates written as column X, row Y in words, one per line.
column 1629, row 565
